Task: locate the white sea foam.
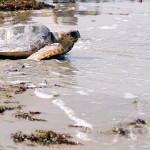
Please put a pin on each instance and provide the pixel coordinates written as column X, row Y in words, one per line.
column 115, row 139
column 132, row 135
column 96, row 103
column 142, row 113
column 117, row 18
column 129, row 95
column 82, row 8
column 146, row 80
column 125, row 20
column 70, row 113
column 91, row 91
column 55, row 73
column 38, row 92
column 114, row 26
column 83, row 136
column 76, row 87
column 146, row 94
column 82, row 93
column 98, row 39
column 124, row 71
column 91, row 28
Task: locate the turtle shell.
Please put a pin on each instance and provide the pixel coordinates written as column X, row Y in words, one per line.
column 22, row 40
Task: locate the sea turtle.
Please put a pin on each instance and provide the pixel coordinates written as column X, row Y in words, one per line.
column 35, row 41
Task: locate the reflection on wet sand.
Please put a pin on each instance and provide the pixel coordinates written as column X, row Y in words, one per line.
column 88, row 10
column 10, row 18
column 61, row 73
column 65, row 14
column 62, row 14
column 22, row 17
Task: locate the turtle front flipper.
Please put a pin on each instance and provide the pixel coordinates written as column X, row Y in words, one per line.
column 47, row 52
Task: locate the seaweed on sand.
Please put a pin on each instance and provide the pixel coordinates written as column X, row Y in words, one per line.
column 4, row 108
column 44, row 138
column 8, row 91
column 21, row 89
column 28, row 116
column 13, row 5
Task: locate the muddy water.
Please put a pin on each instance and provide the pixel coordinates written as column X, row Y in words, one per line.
column 103, row 82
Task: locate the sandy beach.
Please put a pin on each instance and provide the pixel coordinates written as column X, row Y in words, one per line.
column 98, row 93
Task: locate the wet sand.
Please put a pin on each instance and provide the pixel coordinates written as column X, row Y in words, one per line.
column 101, row 84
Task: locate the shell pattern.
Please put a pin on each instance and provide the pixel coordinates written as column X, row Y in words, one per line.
column 23, row 38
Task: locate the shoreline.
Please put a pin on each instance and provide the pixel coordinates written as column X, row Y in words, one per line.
column 103, row 81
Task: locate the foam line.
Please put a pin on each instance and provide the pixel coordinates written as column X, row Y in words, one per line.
column 83, row 136
column 41, row 94
column 70, row 113
column 129, row 96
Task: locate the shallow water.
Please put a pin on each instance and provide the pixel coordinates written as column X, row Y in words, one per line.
column 101, row 78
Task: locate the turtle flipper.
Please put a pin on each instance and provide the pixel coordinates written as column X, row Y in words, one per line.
column 47, row 51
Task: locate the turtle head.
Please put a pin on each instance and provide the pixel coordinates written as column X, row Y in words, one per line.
column 67, row 39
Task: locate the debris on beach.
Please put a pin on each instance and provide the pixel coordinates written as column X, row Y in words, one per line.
column 56, row 95
column 14, row 5
column 21, row 89
column 120, row 131
column 136, row 127
column 5, row 108
column 2, row 109
column 7, row 103
column 82, row 128
column 9, row 90
column 44, row 138
column 28, row 116
column 11, row 102
column 35, row 112
column 138, row 122
column 58, row 85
